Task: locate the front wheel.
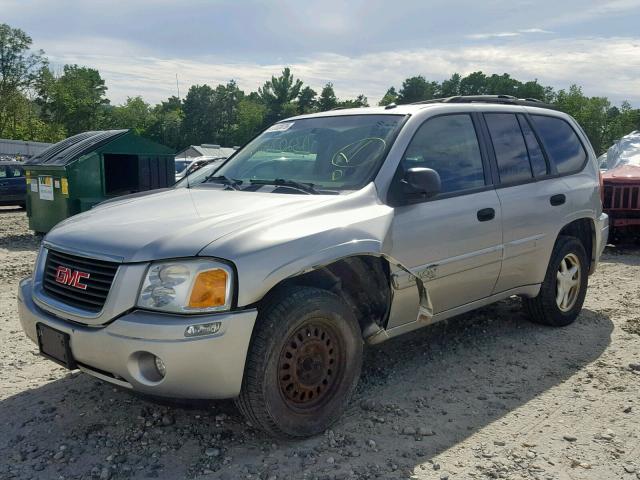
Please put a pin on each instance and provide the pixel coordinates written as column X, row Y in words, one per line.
column 564, row 287
column 303, row 364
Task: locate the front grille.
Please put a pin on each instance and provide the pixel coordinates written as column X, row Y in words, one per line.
column 98, row 282
column 621, row 197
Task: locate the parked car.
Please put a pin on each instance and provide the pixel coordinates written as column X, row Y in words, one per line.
column 326, row 231
column 13, row 187
column 199, row 173
column 621, row 182
column 181, row 165
column 194, row 164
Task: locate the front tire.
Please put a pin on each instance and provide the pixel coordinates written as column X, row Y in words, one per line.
column 303, row 364
column 564, row 287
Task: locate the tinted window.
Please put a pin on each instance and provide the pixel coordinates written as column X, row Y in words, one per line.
column 509, row 146
column 536, row 157
column 560, row 142
column 449, row 145
column 14, row 172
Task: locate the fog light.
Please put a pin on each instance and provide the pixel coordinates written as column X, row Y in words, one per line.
column 162, row 369
column 202, row 329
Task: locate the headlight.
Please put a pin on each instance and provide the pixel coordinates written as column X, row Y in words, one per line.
column 187, row 286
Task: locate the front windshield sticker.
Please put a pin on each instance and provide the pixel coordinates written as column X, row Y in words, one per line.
column 280, row 127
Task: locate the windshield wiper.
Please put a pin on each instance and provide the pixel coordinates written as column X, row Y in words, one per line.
column 308, row 188
column 230, row 182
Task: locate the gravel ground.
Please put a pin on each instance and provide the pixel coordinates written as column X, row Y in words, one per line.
column 485, row 395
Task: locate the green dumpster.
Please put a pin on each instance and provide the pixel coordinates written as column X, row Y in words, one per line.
column 77, row 173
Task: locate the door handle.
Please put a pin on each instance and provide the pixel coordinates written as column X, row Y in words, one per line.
column 558, row 199
column 486, row 214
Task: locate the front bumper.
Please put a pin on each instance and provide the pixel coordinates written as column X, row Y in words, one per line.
column 199, row 367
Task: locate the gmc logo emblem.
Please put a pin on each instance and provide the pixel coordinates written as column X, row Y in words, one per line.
column 73, row 278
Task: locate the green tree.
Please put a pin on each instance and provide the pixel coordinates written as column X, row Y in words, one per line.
column 199, row 119
column 390, row 97
column 590, row 112
column 166, row 127
column 474, row 84
column 328, row 100
column 416, row 89
column 277, row 93
column 502, row 85
column 451, row 87
column 251, row 114
column 307, row 100
column 211, row 115
column 19, row 68
column 226, row 103
column 533, row 89
column 358, row 102
column 76, row 100
column 135, row 114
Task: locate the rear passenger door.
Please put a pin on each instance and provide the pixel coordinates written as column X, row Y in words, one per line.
column 452, row 241
column 532, row 198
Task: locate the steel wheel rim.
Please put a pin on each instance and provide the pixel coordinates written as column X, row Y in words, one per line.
column 309, row 366
column 568, row 279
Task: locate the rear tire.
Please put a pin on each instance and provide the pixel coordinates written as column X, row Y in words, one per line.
column 303, row 364
column 562, row 293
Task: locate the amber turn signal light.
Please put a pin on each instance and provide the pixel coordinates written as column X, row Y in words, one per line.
column 209, row 289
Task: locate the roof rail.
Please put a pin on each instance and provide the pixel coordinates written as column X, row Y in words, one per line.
column 496, row 99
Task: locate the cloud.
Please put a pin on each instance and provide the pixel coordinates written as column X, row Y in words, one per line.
column 602, row 66
column 484, row 36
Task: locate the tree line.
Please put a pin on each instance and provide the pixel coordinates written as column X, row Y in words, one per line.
column 39, row 104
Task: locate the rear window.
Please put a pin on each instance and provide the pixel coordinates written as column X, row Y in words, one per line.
column 561, row 143
column 509, row 146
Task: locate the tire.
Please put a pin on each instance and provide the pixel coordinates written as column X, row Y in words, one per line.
column 303, row 364
column 550, row 307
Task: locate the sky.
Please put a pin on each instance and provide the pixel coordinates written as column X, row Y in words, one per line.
column 361, row 46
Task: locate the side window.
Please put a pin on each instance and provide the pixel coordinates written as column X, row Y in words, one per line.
column 449, row 145
column 509, row 146
column 560, row 142
column 4, row 171
column 536, row 157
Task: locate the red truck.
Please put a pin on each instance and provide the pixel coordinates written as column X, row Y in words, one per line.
column 621, row 181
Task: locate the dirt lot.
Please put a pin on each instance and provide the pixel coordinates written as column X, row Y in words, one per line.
column 486, row 395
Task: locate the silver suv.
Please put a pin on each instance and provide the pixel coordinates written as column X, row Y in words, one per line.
column 326, row 231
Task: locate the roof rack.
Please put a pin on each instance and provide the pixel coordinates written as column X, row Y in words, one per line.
column 496, row 99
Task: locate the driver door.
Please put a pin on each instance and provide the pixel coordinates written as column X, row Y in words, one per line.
column 452, row 241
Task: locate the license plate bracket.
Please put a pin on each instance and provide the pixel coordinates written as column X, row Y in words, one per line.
column 55, row 345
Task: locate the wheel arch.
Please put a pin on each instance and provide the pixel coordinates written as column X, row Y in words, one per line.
column 362, row 280
column 584, row 229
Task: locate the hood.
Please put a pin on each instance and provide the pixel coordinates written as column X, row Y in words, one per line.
column 622, row 174
column 175, row 223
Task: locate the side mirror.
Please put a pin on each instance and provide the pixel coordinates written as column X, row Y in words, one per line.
column 422, row 181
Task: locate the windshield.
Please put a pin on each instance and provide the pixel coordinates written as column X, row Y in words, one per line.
column 336, row 153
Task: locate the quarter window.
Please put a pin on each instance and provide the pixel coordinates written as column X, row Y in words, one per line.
column 509, row 146
column 449, row 145
column 560, row 142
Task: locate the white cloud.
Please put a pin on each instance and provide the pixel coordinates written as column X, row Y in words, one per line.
column 483, row 36
column 603, row 66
